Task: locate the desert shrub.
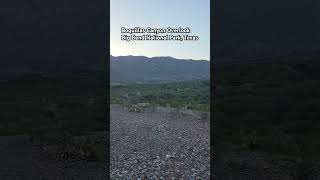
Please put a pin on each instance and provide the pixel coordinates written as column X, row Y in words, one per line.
column 195, row 94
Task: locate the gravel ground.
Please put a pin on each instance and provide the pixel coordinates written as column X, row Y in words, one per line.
column 159, row 143
column 22, row 160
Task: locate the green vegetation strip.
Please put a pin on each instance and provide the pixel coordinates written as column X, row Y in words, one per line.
column 191, row 95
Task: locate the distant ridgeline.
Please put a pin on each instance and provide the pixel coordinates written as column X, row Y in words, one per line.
column 141, row 70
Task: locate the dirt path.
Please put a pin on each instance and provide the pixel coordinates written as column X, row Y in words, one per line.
column 159, row 143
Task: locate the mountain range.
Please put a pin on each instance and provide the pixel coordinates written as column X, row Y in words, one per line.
column 141, row 69
column 62, row 36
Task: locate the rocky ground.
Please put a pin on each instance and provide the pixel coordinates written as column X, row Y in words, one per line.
column 159, row 143
column 244, row 164
column 23, row 160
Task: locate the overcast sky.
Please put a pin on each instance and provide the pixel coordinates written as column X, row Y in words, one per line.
column 161, row 14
